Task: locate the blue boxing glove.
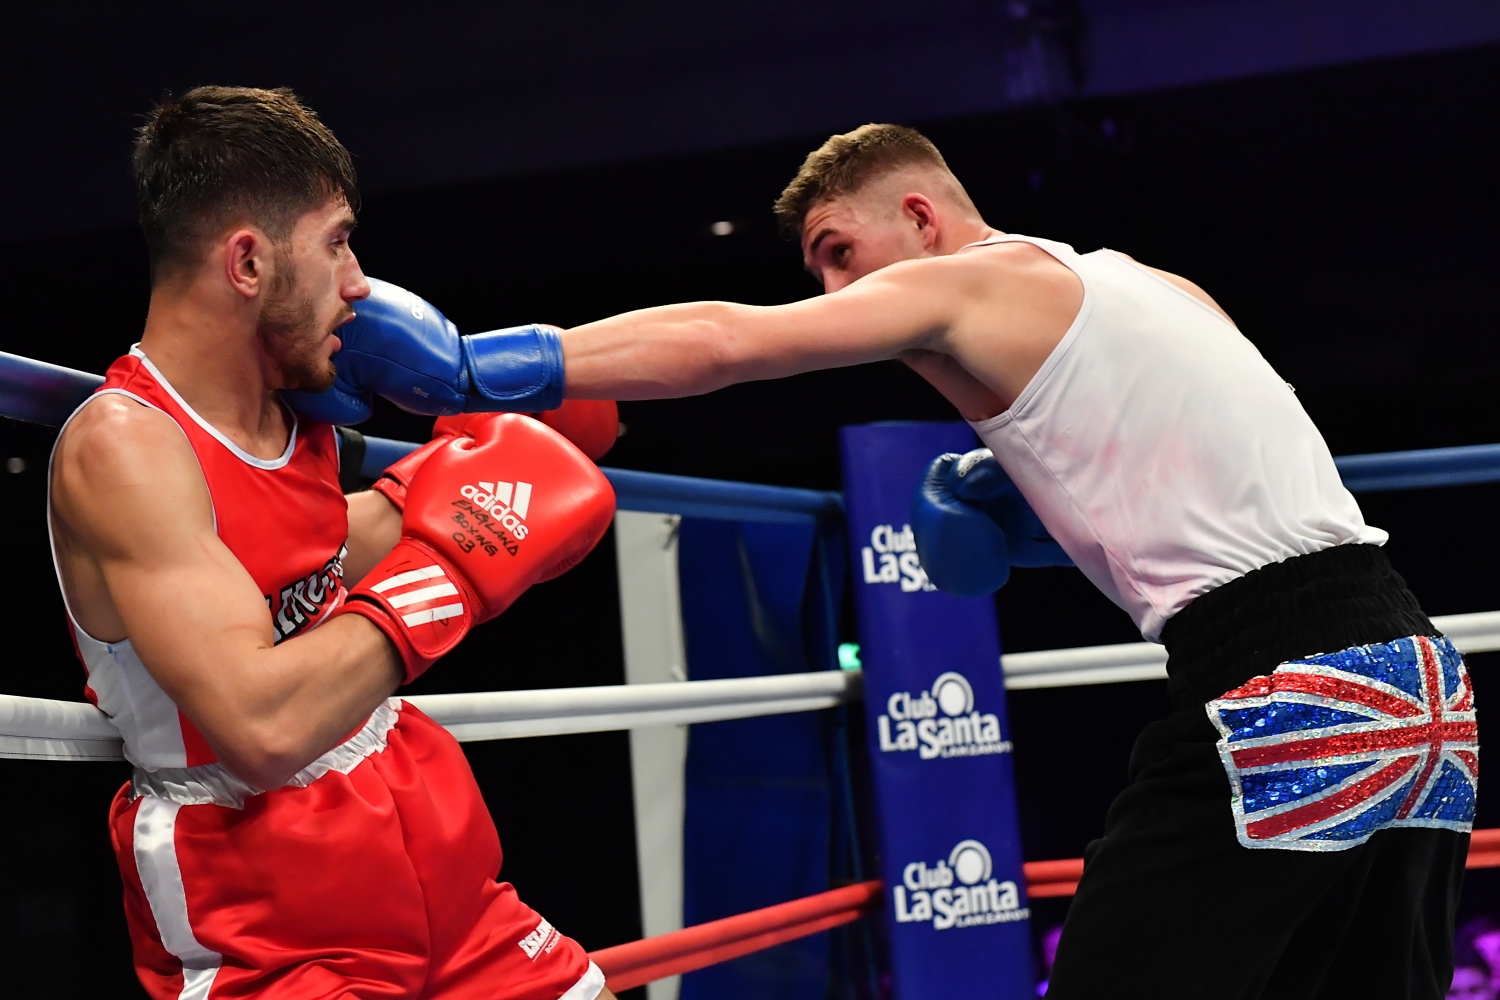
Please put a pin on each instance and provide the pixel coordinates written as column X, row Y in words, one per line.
column 401, row 347
column 972, row 525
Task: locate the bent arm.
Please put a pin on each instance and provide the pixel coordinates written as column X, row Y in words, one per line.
column 374, row 529
column 683, row 350
column 194, row 615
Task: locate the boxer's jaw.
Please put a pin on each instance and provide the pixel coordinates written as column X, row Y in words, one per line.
column 316, row 281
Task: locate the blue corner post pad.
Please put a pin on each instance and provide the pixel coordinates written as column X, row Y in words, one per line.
column 939, row 742
column 519, row 368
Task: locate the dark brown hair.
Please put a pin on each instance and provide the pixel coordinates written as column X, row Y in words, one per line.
column 843, row 165
column 215, row 155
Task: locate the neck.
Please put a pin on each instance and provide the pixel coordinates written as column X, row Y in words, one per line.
column 966, row 230
column 206, row 346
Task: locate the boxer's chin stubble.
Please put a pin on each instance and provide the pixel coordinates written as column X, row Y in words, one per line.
column 292, row 338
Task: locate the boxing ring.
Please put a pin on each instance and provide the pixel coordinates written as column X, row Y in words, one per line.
column 41, row 729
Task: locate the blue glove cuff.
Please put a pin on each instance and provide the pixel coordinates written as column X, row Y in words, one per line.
column 519, row 369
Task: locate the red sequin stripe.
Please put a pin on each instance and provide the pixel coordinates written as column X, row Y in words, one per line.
column 1356, row 794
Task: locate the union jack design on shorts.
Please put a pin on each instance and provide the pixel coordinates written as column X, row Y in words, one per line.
column 1326, row 750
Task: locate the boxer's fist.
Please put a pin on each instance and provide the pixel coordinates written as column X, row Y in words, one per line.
column 591, row 424
column 972, row 524
column 486, row 517
column 401, row 347
column 397, row 345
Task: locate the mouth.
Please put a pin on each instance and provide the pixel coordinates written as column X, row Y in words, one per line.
column 338, row 342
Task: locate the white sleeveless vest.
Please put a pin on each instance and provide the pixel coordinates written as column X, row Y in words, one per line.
column 1162, row 451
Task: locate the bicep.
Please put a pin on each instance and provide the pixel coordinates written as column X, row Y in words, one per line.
column 186, row 603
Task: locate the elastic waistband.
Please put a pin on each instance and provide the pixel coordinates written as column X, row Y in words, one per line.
column 213, row 784
column 1317, row 603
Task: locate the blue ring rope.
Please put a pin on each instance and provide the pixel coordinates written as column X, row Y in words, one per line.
column 41, row 393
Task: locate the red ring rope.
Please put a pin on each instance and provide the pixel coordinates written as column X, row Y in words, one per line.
column 639, row 962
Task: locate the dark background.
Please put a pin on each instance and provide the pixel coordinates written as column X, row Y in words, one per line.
column 1344, row 217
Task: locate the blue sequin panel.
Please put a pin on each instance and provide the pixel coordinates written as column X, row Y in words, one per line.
column 1451, row 661
column 1283, row 717
column 1276, row 788
column 1451, row 798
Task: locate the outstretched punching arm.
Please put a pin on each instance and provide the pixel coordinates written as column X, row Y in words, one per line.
column 682, row 350
column 148, row 565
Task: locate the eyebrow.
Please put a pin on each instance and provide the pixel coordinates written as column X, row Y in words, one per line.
column 812, row 248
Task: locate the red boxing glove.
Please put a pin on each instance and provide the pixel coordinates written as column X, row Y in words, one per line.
column 591, row 424
column 486, row 517
column 398, row 475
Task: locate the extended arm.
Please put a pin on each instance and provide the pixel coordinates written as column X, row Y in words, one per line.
column 682, row 350
column 194, row 615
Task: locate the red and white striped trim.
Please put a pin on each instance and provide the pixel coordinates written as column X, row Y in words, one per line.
column 427, row 595
column 161, row 877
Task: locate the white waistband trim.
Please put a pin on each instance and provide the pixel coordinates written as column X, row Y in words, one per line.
column 589, row 985
column 213, row 784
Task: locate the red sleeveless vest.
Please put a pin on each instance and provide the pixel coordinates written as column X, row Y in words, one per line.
column 285, row 520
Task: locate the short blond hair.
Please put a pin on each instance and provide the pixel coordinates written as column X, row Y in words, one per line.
column 845, row 163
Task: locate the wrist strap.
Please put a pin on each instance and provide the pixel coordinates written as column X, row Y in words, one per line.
column 417, row 599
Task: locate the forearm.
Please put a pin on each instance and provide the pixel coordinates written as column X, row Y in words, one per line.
column 272, row 710
column 698, row 347
column 374, row 529
column 658, row 353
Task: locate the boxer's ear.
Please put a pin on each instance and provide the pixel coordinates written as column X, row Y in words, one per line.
column 919, row 209
column 247, row 261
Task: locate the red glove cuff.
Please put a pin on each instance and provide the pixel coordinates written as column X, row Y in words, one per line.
column 398, row 475
column 419, row 601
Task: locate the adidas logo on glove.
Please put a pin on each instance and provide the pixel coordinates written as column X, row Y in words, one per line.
column 508, row 502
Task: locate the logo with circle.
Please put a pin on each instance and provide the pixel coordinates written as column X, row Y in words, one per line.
column 970, row 861
column 953, row 693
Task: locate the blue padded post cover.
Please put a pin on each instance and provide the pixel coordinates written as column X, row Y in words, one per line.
column 757, row 826
column 939, row 742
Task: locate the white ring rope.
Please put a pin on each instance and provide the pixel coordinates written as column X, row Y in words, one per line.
column 499, row 715
column 43, row 729
column 1146, row 661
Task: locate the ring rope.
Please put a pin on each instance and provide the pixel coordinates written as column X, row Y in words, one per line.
column 634, row 964
column 1143, row 661
column 45, row 729
column 626, row 966
column 41, row 393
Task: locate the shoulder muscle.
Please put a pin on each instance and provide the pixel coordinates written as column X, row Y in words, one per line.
column 126, row 481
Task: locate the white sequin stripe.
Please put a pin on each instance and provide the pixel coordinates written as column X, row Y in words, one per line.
column 588, row 987
column 155, row 845
column 213, row 784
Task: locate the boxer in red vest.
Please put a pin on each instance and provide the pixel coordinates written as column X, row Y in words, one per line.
column 292, row 830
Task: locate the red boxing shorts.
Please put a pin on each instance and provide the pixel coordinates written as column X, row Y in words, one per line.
column 371, row 874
